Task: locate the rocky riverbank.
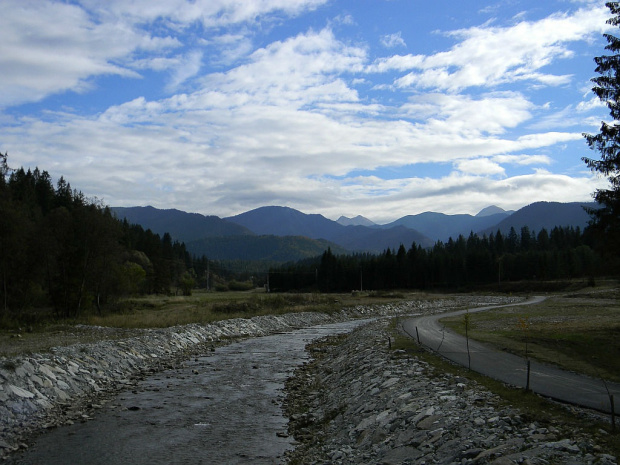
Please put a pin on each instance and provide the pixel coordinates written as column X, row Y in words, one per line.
column 68, row 384
column 358, row 402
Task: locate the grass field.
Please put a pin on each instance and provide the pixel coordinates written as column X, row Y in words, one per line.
column 206, row 307
column 134, row 314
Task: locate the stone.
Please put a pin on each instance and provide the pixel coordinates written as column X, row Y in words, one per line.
column 399, row 455
column 563, row 445
column 20, row 392
column 389, row 383
column 502, row 461
column 428, row 422
column 47, row 371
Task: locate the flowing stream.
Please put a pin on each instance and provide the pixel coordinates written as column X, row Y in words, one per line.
column 224, row 407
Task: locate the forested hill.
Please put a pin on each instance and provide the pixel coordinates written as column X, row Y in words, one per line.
column 205, row 234
column 440, row 227
column 60, row 250
column 284, row 221
column 180, row 225
column 289, row 229
column 462, row 263
column 545, row 215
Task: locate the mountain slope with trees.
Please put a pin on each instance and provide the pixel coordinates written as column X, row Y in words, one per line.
column 62, row 251
column 461, row 263
column 285, row 221
column 545, row 215
column 440, row 227
column 261, row 248
column 180, row 225
column 201, row 233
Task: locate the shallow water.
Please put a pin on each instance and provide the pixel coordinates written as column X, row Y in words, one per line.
column 221, row 408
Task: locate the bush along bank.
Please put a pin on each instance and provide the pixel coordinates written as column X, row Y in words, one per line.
column 68, row 383
column 357, row 402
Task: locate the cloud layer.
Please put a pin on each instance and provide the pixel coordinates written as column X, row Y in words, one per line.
column 213, row 117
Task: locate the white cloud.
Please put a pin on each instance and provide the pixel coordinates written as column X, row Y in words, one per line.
column 522, row 160
column 570, row 116
column 298, row 71
column 490, row 56
column 492, row 113
column 51, row 47
column 592, row 104
column 396, row 62
column 479, row 166
column 459, row 193
column 393, row 40
column 346, row 20
column 210, row 13
column 188, row 67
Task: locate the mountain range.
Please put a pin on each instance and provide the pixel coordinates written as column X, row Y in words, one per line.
column 280, row 234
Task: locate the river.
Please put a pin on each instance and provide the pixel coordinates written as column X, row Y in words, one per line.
column 223, row 407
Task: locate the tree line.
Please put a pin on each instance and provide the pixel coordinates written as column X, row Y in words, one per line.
column 62, row 251
column 563, row 253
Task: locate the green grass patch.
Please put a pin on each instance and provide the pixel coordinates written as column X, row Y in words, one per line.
column 204, row 308
column 161, row 311
column 578, row 332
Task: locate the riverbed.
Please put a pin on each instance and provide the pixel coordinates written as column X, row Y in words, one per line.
column 221, row 407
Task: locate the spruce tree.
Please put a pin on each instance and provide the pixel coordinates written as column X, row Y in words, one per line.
column 606, row 220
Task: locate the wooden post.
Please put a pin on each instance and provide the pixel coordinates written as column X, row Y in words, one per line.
column 613, row 412
column 527, row 386
column 417, row 334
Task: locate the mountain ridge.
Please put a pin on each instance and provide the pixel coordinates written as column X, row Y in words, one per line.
column 359, row 220
column 284, row 221
column 492, row 210
column 180, row 225
column 440, row 227
column 285, row 234
column 547, row 215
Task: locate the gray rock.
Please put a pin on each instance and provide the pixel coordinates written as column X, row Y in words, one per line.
column 424, row 417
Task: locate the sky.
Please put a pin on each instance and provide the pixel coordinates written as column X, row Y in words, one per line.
column 380, row 108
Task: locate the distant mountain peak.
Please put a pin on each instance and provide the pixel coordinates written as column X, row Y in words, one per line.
column 359, row 220
column 490, row 210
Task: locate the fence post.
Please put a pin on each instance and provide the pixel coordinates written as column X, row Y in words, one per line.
column 613, row 412
column 417, row 334
column 527, row 386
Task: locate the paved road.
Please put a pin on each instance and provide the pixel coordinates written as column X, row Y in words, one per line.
column 546, row 380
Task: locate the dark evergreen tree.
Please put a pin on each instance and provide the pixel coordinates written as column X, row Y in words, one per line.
column 60, row 250
column 606, row 220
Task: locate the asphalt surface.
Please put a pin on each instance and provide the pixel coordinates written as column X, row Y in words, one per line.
column 546, row 380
